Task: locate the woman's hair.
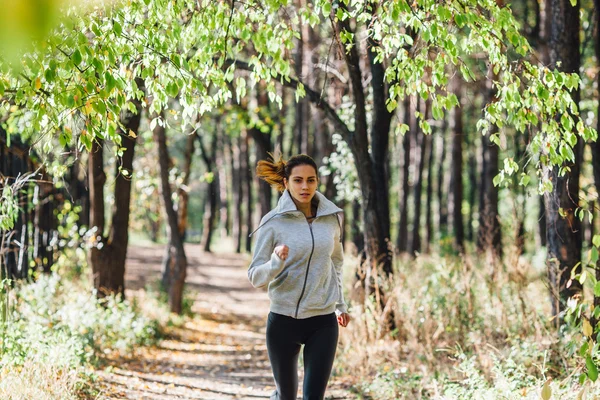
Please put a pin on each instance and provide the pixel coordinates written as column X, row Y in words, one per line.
column 275, row 169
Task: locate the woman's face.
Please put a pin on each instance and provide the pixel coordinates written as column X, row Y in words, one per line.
column 302, row 183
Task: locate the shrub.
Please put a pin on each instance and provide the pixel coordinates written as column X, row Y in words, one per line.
column 56, row 330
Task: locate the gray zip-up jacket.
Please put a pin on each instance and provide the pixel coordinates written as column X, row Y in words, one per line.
column 309, row 282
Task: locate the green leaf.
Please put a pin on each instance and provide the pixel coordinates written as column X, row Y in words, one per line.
column 594, row 255
column 596, row 240
column 100, row 107
column 76, row 57
column 117, row 28
column 172, row 89
column 591, row 368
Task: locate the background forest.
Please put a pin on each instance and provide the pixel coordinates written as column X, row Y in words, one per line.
column 459, row 136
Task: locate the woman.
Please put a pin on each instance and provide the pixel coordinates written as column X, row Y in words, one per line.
column 299, row 256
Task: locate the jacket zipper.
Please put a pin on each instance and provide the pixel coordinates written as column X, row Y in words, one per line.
column 307, row 267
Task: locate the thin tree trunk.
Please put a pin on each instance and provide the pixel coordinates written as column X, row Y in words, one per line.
column 473, row 183
column 564, row 233
column 456, row 183
column 175, row 261
column 441, row 180
column 210, row 205
column 402, row 240
column 542, row 221
column 238, row 195
column 489, row 234
column 422, row 147
column 595, row 146
column 182, row 191
column 248, row 188
column 428, row 214
column 225, row 183
column 263, row 147
column 108, row 259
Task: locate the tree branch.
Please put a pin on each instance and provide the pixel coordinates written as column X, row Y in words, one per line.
column 312, row 96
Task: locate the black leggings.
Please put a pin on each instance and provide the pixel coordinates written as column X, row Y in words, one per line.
column 285, row 335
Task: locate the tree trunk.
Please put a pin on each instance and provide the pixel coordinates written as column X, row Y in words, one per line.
column 263, row 146
column 489, row 234
column 175, row 261
column 358, row 237
column 212, row 196
column 422, row 143
column 563, row 233
column 248, row 188
column 108, row 259
column 428, row 217
column 441, row 181
column 402, row 240
column 183, row 191
column 595, row 146
column 238, row 195
column 473, row 183
column 225, row 181
column 455, row 196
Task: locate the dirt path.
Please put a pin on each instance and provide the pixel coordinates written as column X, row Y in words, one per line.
column 219, row 354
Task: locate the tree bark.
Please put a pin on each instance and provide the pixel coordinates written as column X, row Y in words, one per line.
column 175, row 261
column 428, row 215
column 238, row 195
column 183, row 191
column 489, row 234
column 455, row 196
column 441, row 181
column 210, row 209
column 402, row 240
column 263, row 146
column 473, row 183
column 247, row 175
column 108, row 259
column 563, row 233
column 595, row 146
column 225, row 182
column 422, row 142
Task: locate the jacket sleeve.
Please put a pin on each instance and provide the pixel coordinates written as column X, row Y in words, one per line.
column 265, row 265
column 337, row 257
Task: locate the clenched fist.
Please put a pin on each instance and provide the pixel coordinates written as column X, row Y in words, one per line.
column 282, row 251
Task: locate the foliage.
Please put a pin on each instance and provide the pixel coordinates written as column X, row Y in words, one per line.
column 72, row 242
column 340, row 163
column 95, row 63
column 57, row 328
column 581, row 313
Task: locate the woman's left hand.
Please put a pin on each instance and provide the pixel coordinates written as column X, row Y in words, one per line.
column 343, row 319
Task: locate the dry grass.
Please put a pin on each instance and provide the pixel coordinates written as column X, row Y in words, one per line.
column 40, row 381
column 446, row 310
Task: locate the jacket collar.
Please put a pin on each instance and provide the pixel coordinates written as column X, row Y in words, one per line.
column 286, row 205
column 325, row 206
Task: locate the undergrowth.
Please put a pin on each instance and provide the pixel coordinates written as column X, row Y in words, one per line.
column 57, row 332
column 459, row 328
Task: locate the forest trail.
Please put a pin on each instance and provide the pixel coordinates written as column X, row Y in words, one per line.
column 220, row 353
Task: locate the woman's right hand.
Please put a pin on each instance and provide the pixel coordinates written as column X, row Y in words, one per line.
column 282, row 251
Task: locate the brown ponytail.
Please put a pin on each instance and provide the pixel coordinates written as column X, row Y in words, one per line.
column 274, row 172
